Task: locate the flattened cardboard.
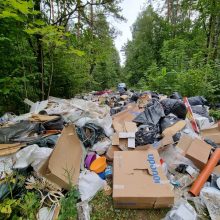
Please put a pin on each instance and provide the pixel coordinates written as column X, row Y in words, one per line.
column 139, row 182
column 127, row 115
column 118, row 127
column 37, row 117
column 199, row 153
column 63, row 165
column 184, row 143
column 110, row 152
column 6, row 149
column 130, row 126
column 172, row 130
column 115, row 139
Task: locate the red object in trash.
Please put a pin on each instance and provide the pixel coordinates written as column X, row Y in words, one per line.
column 103, row 92
column 206, row 172
column 190, row 115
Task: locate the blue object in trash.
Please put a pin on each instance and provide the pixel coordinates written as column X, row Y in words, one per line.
column 102, row 175
column 108, row 172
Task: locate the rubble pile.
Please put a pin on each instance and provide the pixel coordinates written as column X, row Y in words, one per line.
column 146, row 150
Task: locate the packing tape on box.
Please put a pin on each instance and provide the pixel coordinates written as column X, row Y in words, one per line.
column 118, row 186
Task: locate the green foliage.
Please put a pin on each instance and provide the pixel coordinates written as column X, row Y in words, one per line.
column 42, row 54
column 176, row 53
column 215, row 114
column 23, row 208
column 68, row 205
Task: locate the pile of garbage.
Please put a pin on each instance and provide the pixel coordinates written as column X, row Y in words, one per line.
column 146, row 150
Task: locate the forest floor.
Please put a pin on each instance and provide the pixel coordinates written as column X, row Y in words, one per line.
column 102, row 209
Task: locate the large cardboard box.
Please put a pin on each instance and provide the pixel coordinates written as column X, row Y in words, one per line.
column 139, row 181
column 199, row 152
column 63, row 165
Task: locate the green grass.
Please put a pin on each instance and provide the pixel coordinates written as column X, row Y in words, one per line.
column 102, row 209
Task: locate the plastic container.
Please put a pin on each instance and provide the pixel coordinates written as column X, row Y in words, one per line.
column 98, row 165
column 89, row 159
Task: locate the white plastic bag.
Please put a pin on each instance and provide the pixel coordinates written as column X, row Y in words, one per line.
column 102, row 146
column 31, row 155
column 89, row 184
column 182, row 210
column 211, row 197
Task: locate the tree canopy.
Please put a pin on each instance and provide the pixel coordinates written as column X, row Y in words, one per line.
column 176, row 49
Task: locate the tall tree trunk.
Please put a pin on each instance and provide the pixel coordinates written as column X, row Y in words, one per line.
column 40, row 64
column 79, row 17
column 215, row 42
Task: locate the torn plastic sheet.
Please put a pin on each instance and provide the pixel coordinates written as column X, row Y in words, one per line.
column 45, row 214
column 91, row 108
column 89, row 184
column 182, row 210
column 173, row 158
column 104, row 123
column 31, row 155
column 211, row 197
column 83, row 210
column 6, row 164
column 37, row 106
column 152, row 114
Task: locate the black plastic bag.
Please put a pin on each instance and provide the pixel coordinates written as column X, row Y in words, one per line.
column 177, row 107
column 168, row 121
column 89, row 134
column 135, row 97
column 152, row 114
column 146, row 135
column 19, row 132
column 55, row 124
column 176, row 95
column 49, row 141
column 197, row 100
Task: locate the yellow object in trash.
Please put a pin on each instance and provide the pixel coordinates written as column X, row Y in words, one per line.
column 98, row 165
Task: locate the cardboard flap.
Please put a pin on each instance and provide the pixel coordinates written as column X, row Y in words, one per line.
column 144, row 168
column 65, row 160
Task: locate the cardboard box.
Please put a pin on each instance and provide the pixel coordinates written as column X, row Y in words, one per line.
column 198, row 152
column 139, row 181
column 63, row 165
column 125, row 136
column 212, row 133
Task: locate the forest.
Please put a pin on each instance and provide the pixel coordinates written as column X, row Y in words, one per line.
column 65, row 47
